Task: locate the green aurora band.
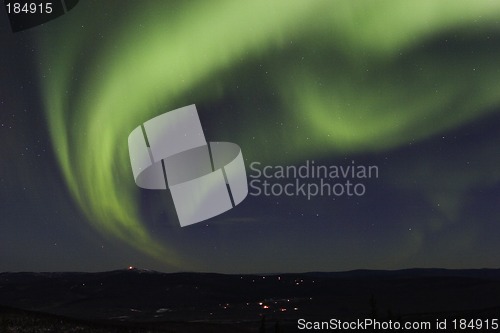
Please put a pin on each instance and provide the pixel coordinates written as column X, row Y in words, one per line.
column 364, row 84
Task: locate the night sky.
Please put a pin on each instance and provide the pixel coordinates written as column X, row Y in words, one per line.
column 410, row 87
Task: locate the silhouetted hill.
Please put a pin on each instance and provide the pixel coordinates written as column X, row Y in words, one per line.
column 413, row 272
column 149, row 297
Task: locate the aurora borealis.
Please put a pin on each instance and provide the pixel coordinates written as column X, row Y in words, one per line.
column 410, row 87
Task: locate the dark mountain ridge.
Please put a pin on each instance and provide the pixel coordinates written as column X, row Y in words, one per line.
column 143, row 296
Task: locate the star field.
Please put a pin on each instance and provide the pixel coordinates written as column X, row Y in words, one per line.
column 410, row 88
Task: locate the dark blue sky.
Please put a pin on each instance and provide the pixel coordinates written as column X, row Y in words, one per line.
column 420, row 104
